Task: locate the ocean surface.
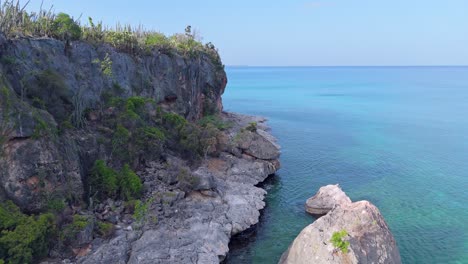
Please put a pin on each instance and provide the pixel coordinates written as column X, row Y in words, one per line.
column 396, row 136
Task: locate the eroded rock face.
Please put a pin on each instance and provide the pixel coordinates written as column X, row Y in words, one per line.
column 368, row 234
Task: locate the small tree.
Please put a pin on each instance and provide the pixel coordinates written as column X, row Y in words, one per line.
column 65, row 28
column 338, row 242
column 130, row 183
column 103, row 179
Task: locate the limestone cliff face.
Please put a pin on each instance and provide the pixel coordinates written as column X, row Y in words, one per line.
column 370, row 239
column 44, row 83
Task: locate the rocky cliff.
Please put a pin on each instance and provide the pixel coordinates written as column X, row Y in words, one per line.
column 44, row 85
column 347, row 233
column 63, row 106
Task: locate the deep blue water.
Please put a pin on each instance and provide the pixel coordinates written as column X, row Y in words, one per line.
column 396, row 136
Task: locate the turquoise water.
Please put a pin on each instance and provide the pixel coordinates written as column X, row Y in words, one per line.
column 396, row 136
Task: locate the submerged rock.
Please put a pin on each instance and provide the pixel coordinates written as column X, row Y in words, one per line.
column 361, row 224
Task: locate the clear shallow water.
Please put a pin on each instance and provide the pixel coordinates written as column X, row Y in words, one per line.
column 396, row 136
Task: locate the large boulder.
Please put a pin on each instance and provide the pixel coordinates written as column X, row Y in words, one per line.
column 257, row 145
column 325, row 199
column 361, row 225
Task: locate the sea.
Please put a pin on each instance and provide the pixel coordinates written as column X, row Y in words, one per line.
column 395, row 136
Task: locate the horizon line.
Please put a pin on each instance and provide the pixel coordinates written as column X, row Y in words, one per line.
column 340, row 66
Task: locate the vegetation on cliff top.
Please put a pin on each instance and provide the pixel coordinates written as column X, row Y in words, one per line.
column 16, row 21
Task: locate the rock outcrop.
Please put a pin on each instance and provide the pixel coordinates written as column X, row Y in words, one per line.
column 325, row 200
column 370, row 240
column 196, row 226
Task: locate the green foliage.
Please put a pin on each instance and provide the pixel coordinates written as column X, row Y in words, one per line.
column 252, row 127
column 122, row 40
column 103, row 179
column 105, row 229
column 148, row 141
column 130, row 183
column 80, row 222
column 338, row 242
column 215, row 121
column 93, row 33
column 158, row 40
column 110, row 183
column 69, row 231
column 141, row 210
column 65, row 28
column 23, row 238
column 105, row 65
column 174, row 121
column 15, row 20
column 55, row 205
column 135, row 106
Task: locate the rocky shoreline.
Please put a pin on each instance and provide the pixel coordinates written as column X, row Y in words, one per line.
column 196, row 227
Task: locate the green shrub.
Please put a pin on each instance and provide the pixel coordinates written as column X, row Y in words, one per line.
column 252, row 127
column 214, row 120
column 69, row 231
column 156, row 39
column 141, row 210
column 103, row 179
column 23, row 238
column 338, row 242
column 105, row 229
column 94, row 33
column 122, row 40
column 173, row 121
column 135, row 106
column 105, row 65
column 65, row 28
column 148, row 141
column 55, row 205
column 130, row 183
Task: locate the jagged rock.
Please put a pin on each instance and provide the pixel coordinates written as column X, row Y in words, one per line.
column 197, row 228
column 370, row 240
column 257, row 146
column 325, row 199
column 203, row 180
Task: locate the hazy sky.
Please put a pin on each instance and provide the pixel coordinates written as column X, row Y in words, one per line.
column 296, row 32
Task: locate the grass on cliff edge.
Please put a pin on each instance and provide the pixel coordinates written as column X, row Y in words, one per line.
column 16, row 21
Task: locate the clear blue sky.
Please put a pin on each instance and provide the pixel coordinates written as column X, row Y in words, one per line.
column 296, row 32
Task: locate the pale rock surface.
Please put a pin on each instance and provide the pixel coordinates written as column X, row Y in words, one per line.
column 370, row 238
